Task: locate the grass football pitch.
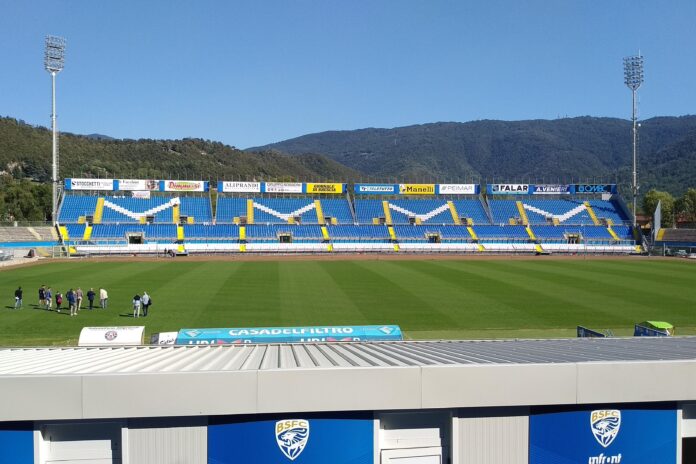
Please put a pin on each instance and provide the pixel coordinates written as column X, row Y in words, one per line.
column 428, row 298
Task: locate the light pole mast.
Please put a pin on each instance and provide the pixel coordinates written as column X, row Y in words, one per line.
column 633, row 77
column 54, row 60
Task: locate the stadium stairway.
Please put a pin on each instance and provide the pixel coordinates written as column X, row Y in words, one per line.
column 63, row 231
column 523, row 213
column 592, row 214
column 179, row 232
column 176, row 214
column 612, row 233
column 387, row 215
column 392, row 236
column 98, row 211
column 327, row 238
column 88, row 232
column 453, row 211
column 660, row 235
column 250, row 211
column 530, row 232
column 242, row 237
column 320, row 213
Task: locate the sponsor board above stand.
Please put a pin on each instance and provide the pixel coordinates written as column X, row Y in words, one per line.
column 137, row 184
column 594, row 188
column 325, row 187
column 288, row 334
column 376, row 189
column 89, row 184
column 239, row 187
column 417, row 189
column 551, row 189
column 457, row 189
column 163, row 338
column 111, row 336
column 282, row 187
column 508, row 189
column 183, row 186
column 640, row 434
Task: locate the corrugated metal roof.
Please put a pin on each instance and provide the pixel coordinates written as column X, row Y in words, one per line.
column 155, row 359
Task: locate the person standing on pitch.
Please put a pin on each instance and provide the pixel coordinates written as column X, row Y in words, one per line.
column 78, row 296
column 42, row 296
column 136, row 305
column 146, row 300
column 103, row 298
column 90, row 298
column 72, row 302
column 48, row 302
column 18, row 298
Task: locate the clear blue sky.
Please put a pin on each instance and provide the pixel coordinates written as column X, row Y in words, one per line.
column 254, row 72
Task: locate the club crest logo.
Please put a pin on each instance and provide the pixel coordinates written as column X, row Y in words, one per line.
column 605, row 424
column 291, row 436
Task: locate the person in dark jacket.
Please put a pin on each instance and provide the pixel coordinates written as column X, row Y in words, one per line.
column 18, row 298
column 72, row 302
column 90, row 298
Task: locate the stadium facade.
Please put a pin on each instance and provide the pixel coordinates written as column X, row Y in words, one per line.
column 534, row 401
column 153, row 216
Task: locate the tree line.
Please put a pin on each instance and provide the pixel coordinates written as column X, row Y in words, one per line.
column 681, row 209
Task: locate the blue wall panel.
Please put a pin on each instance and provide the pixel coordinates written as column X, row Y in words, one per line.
column 292, row 438
column 604, row 435
column 16, row 443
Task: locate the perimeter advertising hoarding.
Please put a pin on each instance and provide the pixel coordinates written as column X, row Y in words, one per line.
column 457, row 189
column 288, row 334
column 325, row 187
column 417, row 189
column 625, row 434
column 137, row 184
column 301, row 438
column 239, row 187
column 377, row 189
column 595, row 188
column 642, row 331
column 184, row 186
column 89, row 184
column 552, row 189
column 508, row 189
column 282, row 187
column 111, row 336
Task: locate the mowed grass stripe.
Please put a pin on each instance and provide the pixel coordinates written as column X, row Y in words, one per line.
column 536, row 297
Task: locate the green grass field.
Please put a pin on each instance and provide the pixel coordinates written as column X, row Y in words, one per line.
column 523, row 298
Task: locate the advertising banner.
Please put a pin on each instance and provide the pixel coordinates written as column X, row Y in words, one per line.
column 282, row 187
column 325, row 188
column 297, row 437
column 508, row 189
column 457, row 189
column 584, row 332
column 144, row 194
column 184, row 186
column 595, row 188
column 642, row 331
column 137, row 184
column 417, row 189
column 603, row 435
column 239, row 187
column 377, row 189
column 89, row 184
column 288, row 334
column 163, row 338
column 111, row 336
column 552, row 189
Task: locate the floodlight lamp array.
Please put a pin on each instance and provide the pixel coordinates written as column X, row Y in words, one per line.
column 633, row 71
column 54, row 57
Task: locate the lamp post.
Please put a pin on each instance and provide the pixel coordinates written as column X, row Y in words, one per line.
column 54, row 60
column 633, row 78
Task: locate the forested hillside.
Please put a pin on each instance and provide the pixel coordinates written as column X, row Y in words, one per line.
column 539, row 150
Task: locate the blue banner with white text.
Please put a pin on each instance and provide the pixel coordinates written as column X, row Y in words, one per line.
column 226, row 336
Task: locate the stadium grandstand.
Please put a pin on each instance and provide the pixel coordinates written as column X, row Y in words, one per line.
column 153, row 216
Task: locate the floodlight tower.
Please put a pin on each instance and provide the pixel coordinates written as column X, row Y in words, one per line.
column 54, row 60
column 633, row 77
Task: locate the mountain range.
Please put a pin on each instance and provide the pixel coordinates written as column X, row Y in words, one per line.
column 562, row 150
column 536, row 151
